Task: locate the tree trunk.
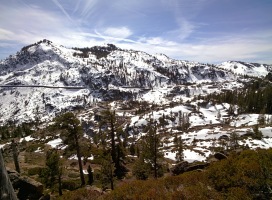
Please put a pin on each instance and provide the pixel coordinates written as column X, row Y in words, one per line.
column 113, row 153
column 155, row 156
column 59, row 183
column 79, row 161
column 6, row 189
column 111, row 177
column 15, row 156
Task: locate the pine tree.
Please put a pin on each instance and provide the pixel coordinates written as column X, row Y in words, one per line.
column 185, row 122
column 261, row 117
column 132, row 149
column 140, row 169
column 90, row 175
column 151, row 149
column 179, row 145
column 257, row 133
column 71, row 133
column 51, row 175
column 107, row 171
column 234, row 138
column 120, row 169
column 116, row 148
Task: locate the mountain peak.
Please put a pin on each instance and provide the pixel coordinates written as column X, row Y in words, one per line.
column 44, row 41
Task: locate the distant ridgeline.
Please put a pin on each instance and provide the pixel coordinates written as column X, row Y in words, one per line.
column 99, row 51
column 44, row 86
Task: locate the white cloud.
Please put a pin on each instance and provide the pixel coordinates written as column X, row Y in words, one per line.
column 5, row 34
column 31, row 24
column 186, row 28
column 118, row 32
column 212, row 51
column 157, row 41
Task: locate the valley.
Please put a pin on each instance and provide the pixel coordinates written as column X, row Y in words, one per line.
column 128, row 103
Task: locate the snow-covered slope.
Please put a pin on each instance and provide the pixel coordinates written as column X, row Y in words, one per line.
column 250, row 69
column 101, row 73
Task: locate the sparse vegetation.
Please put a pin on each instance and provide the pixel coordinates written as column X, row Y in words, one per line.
column 128, row 126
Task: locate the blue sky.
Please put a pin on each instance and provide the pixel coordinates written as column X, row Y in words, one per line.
column 210, row 31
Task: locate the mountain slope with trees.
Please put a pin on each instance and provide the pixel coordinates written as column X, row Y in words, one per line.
column 111, row 116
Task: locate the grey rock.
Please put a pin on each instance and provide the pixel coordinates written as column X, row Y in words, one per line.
column 27, row 187
column 179, row 168
column 6, row 189
column 220, row 156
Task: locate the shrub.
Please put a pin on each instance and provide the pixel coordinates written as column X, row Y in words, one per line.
column 73, row 175
column 249, row 171
column 81, row 194
column 140, row 170
column 237, row 193
column 33, row 147
column 69, row 185
column 34, row 171
column 246, row 175
column 193, row 185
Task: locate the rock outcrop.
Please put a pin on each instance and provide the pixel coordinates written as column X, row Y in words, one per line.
column 185, row 166
column 27, row 188
column 6, row 189
column 220, row 156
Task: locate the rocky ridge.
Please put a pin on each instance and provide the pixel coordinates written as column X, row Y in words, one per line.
column 100, row 74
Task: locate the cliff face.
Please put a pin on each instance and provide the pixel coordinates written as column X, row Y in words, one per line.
column 6, row 189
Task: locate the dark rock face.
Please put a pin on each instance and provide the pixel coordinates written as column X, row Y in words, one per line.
column 184, row 166
column 220, row 156
column 196, row 167
column 179, row 168
column 14, row 177
column 224, row 137
column 6, row 189
column 27, row 187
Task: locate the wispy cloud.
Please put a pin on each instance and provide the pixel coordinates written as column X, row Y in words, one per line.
column 88, row 6
column 56, row 2
column 171, row 27
column 118, row 32
column 6, row 34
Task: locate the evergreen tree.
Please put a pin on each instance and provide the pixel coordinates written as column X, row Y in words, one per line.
column 257, row 133
column 179, row 145
column 185, row 122
column 151, row 149
column 255, row 98
column 120, row 169
column 261, row 118
column 234, row 137
column 107, row 171
column 132, row 149
column 71, row 133
column 90, row 175
column 117, row 149
column 4, row 132
column 51, row 175
column 140, row 169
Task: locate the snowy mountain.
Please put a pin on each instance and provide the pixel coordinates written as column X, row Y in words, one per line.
column 43, row 80
column 249, row 69
column 50, row 79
